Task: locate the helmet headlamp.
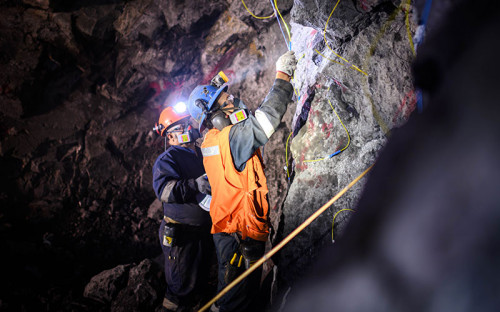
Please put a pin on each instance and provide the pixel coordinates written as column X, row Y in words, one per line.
column 180, row 108
column 158, row 128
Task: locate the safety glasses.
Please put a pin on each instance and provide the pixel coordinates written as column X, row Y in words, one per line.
column 177, row 128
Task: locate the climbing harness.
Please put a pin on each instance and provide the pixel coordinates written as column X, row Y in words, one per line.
column 285, row 241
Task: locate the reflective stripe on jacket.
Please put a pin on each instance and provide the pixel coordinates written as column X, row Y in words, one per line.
column 239, row 199
column 247, row 136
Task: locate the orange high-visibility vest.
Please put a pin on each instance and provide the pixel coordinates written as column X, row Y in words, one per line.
column 239, row 199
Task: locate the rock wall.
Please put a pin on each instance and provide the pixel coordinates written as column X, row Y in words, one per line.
column 354, row 88
column 82, row 86
column 84, row 81
column 425, row 234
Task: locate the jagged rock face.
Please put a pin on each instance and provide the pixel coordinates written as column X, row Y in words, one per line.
column 425, row 235
column 344, row 108
column 128, row 287
column 82, row 86
column 83, row 83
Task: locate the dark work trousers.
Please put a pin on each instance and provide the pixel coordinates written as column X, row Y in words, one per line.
column 187, row 265
column 240, row 297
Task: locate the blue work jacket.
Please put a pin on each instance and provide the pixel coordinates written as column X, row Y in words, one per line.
column 174, row 174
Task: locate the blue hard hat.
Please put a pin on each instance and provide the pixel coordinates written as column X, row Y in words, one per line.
column 208, row 94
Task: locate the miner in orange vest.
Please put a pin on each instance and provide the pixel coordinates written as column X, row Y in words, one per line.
column 239, row 208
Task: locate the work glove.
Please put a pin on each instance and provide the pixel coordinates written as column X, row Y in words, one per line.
column 287, row 63
column 203, row 185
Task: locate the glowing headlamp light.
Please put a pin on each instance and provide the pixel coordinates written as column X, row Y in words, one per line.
column 180, row 107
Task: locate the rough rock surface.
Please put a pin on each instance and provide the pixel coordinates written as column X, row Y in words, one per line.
column 105, row 286
column 426, row 233
column 83, row 82
column 345, row 109
column 128, row 287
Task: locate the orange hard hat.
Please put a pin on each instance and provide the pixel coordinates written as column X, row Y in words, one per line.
column 171, row 116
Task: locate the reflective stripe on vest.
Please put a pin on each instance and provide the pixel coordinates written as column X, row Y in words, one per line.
column 210, row 151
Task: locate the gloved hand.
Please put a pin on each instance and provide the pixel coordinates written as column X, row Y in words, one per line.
column 203, row 185
column 287, row 63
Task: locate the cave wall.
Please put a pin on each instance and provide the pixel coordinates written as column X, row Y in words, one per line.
column 82, row 86
column 366, row 98
column 83, row 83
column 425, row 234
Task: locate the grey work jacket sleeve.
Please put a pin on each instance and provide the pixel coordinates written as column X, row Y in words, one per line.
column 247, row 136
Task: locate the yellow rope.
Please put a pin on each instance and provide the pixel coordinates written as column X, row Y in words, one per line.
column 285, row 240
column 258, row 17
column 326, row 42
column 335, row 217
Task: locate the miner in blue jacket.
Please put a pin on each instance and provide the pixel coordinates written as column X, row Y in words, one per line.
column 180, row 183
